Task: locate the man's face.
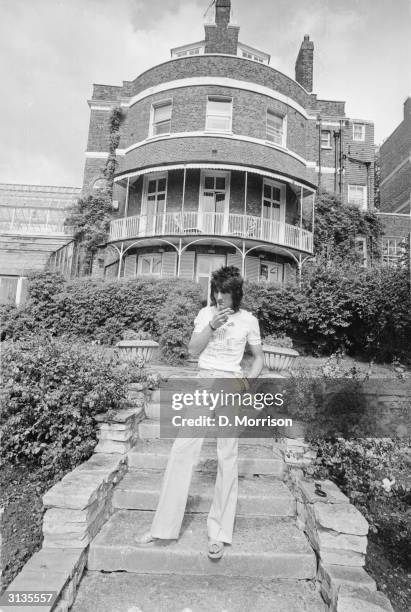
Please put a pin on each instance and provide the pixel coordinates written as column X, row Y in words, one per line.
column 223, row 300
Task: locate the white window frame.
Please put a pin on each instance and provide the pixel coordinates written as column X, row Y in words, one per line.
column 154, row 106
column 283, row 142
column 398, row 243
column 355, row 201
column 145, row 214
column 282, row 189
column 355, row 125
column 150, row 256
column 328, row 144
column 229, row 102
column 187, row 50
column 361, row 240
column 226, row 174
column 271, row 264
column 250, row 53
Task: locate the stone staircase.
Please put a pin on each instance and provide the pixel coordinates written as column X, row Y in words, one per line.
column 270, row 565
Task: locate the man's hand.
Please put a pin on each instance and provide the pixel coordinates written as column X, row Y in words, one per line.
column 221, row 317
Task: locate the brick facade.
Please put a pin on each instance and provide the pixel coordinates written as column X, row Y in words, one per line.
column 395, row 155
column 299, row 161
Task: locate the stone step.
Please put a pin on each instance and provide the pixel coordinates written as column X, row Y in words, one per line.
column 173, row 593
column 262, row 547
column 257, row 495
column 252, row 459
column 149, row 429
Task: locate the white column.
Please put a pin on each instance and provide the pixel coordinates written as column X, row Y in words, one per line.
column 301, row 216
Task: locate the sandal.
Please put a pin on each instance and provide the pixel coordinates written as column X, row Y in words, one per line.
column 215, row 549
column 145, row 540
column 319, row 491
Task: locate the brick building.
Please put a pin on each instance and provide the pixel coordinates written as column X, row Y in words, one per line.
column 31, row 230
column 395, row 188
column 219, row 160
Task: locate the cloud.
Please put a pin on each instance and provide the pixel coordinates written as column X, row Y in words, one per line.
column 52, row 51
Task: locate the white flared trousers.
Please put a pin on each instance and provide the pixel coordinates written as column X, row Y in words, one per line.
column 185, row 454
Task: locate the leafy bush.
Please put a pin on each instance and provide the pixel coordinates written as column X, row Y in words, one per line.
column 370, row 471
column 52, row 390
column 280, row 340
column 95, row 310
column 175, row 325
column 276, row 308
column 381, row 314
column 366, row 313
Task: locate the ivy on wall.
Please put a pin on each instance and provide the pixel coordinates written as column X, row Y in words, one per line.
column 91, row 215
column 336, row 228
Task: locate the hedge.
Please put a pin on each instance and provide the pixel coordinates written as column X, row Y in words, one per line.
column 366, row 313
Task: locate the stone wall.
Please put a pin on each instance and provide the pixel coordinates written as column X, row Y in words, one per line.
column 338, row 534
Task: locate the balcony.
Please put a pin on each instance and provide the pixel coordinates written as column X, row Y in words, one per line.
column 212, row 224
column 33, row 221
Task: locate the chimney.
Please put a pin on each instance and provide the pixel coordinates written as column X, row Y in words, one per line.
column 221, row 37
column 304, row 64
column 222, row 12
column 407, row 109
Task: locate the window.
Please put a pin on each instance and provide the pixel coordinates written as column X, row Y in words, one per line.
column 325, row 139
column 361, row 250
column 275, row 131
column 161, row 118
column 214, row 200
column 250, row 56
column 358, row 131
column 271, row 273
column 188, row 52
column 393, row 250
column 149, row 265
column 219, row 114
column 272, row 209
column 153, row 204
column 357, row 195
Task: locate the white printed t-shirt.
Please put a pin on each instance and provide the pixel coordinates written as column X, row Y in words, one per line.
column 225, row 349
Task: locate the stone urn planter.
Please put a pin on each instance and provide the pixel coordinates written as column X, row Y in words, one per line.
column 279, row 358
column 136, row 345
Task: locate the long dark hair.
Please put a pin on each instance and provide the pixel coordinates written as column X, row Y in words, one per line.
column 227, row 280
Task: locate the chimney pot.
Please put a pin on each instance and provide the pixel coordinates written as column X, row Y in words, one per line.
column 305, row 64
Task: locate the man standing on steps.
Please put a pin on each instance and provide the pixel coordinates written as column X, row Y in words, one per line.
column 220, row 334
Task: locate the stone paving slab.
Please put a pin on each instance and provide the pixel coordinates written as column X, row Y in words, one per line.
column 166, row 593
column 252, row 459
column 257, row 495
column 265, row 547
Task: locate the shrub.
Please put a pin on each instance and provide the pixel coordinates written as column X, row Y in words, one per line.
column 95, row 309
column 276, row 308
column 381, row 314
column 365, row 313
column 175, row 325
column 280, row 340
column 52, row 391
column 362, row 468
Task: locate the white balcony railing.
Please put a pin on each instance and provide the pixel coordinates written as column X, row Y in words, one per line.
column 33, row 221
column 215, row 224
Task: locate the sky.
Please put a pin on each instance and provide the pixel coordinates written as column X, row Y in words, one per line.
column 52, row 51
